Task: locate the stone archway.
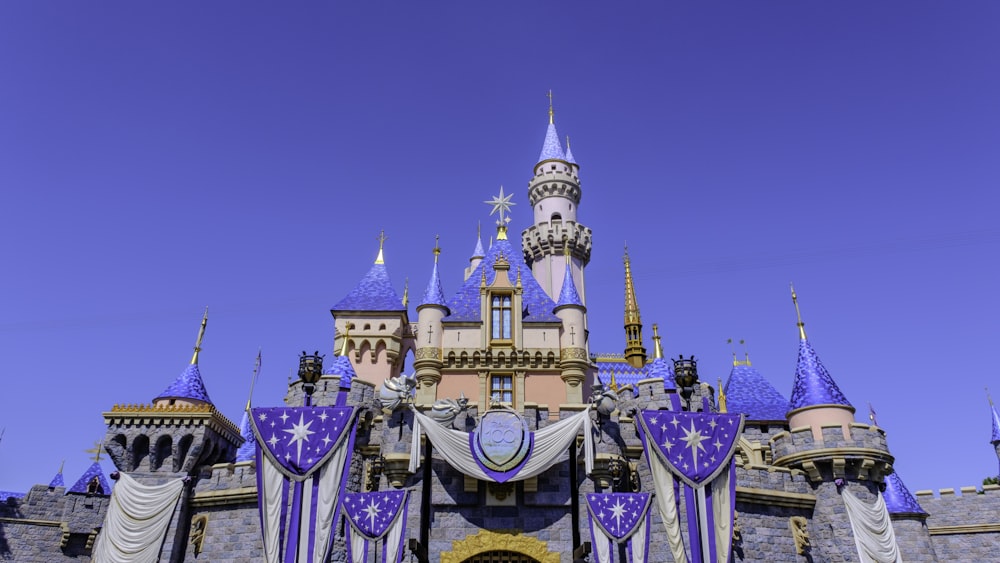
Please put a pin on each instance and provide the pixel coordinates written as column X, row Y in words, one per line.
column 488, row 546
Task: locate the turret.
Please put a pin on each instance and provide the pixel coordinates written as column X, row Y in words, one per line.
column 995, row 437
column 635, row 353
column 573, row 355
column 477, row 254
column 380, row 333
column 431, row 310
column 554, row 193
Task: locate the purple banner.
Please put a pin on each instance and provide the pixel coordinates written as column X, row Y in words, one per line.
column 300, row 439
column 372, row 514
column 618, row 514
column 694, row 446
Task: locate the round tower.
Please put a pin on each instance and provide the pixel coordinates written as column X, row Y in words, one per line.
column 573, row 356
column 554, row 193
column 427, row 360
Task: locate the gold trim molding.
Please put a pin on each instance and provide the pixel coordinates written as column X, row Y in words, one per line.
column 504, row 540
column 963, row 529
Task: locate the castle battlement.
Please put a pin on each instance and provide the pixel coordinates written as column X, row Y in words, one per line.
column 857, row 450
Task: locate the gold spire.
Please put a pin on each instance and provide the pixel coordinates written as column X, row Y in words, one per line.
column 201, row 334
column 381, row 242
column 798, row 314
column 631, row 305
column 657, row 347
column 256, row 372
column 551, row 111
column 635, row 353
column 347, row 335
column 406, row 291
column 722, row 398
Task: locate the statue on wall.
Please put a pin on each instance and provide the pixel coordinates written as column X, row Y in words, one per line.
column 444, row 411
column 396, row 391
column 797, row 524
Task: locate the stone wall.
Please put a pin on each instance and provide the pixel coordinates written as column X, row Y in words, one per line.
column 49, row 525
column 963, row 527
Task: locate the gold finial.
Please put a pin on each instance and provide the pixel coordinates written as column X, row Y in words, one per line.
column 253, row 380
column 437, row 248
column 551, row 111
column 517, row 282
column 97, row 450
column 567, row 252
column 614, row 384
column 406, row 291
column 746, row 354
column 482, row 282
column 798, row 314
column 722, row 398
column 347, row 335
column 657, row 347
column 201, row 334
column 631, row 305
column 381, row 243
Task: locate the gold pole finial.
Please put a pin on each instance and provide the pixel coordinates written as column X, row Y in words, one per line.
column 798, row 314
column 722, row 398
column 347, row 335
column 437, row 248
column 97, row 450
column 631, row 304
column 657, row 347
column 406, row 292
column 381, row 243
column 253, row 380
column 551, row 111
column 201, row 335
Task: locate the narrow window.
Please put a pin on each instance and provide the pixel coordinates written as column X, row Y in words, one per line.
column 500, row 315
column 502, row 389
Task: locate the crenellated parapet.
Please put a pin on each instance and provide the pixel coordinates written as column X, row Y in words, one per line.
column 857, row 451
column 552, row 239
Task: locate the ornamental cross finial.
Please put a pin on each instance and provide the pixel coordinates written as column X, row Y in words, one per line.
column 381, row 238
column 97, row 450
column 551, row 111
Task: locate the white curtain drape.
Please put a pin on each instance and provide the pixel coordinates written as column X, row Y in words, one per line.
column 601, row 545
column 359, row 548
column 326, row 502
column 663, row 481
column 639, row 540
column 550, row 443
column 271, row 496
column 137, row 520
column 722, row 510
column 872, row 527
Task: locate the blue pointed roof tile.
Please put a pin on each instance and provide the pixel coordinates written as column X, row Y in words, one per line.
column 996, row 423
column 94, row 471
column 248, row 450
column 479, row 252
column 898, row 499
column 664, row 368
column 569, row 154
column 342, row 366
column 373, row 293
column 551, row 148
column 434, row 295
column 188, row 385
column 748, row 392
column 57, row 481
column 569, row 296
column 464, row 305
column 813, row 385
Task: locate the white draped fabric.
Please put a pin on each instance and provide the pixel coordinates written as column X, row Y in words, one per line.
column 272, row 481
column 639, row 543
column 137, row 520
column 359, row 547
column 550, row 443
column 601, row 545
column 663, row 482
column 326, row 502
column 722, row 508
column 872, row 527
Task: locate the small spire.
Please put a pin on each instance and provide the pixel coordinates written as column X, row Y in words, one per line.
column 635, row 353
column 798, row 314
column 631, row 305
column 871, row 414
column 253, row 380
column 552, row 112
column 201, row 334
column 569, row 152
column 657, row 347
column 380, row 259
column 722, row 398
column 347, row 335
column 517, row 282
column 406, row 291
column 61, row 466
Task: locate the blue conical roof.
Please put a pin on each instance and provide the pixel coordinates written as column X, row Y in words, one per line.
column 434, row 295
column 188, row 385
column 749, row 393
column 996, row 423
column 551, row 148
column 568, row 296
column 898, row 499
column 464, row 305
column 249, row 448
column 373, row 293
column 342, row 366
column 58, row 480
column 479, row 252
column 813, row 385
column 94, row 471
column 569, row 153
column 664, row 368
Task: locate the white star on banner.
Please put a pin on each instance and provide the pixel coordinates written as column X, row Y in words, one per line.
column 284, row 416
column 372, row 510
column 300, row 433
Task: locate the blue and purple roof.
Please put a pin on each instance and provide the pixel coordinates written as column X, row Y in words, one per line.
column 465, row 305
column 898, row 499
column 479, row 252
column 58, row 480
column 373, row 293
column 661, row 367
column 749, row 393
column 434, row 294
column 624, row 373
column 249, row 448
column 93, row 472
column 996, row 423
column 342, row 367
column 188, row 385
column 551, row 147
column 813, row 385
column 568, row 296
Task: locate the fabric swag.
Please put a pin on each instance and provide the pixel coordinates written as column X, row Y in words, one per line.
column 137, row 520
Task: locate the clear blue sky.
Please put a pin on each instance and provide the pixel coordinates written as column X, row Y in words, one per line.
column 159, row 157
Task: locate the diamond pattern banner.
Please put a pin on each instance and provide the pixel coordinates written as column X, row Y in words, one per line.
column 694, row 446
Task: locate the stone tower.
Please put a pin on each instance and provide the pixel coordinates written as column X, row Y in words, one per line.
column 554, row 193
column 635, row 352
column 180, row 432
column 574, row 358
column 373, row 320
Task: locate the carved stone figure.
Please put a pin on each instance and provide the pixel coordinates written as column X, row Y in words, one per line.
column 199, row 525
column 396, row 391
column 444, row 411
column 605, row 401
column 797, row 524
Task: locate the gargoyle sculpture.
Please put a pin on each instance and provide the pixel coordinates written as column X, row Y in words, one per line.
column 396, row 391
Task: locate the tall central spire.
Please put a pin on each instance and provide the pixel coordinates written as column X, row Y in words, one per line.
column 635, row 353
column 552, row 147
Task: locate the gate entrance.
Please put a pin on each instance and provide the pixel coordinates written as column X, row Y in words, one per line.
column 500, row 557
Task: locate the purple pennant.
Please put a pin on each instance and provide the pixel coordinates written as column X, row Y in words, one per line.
column 300, row 439
column 618, row 514
column 695, row 446
column 372, row 514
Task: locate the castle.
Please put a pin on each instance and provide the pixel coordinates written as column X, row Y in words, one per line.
column 512, row 344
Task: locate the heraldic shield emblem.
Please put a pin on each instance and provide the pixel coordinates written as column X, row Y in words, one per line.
column 501, row 443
